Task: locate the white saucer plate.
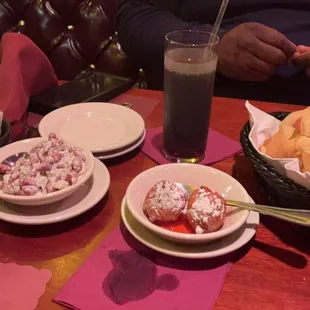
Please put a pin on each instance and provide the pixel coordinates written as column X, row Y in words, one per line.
column 79, row 202
column 97, row 126
column 216, row 248
column 120, row 152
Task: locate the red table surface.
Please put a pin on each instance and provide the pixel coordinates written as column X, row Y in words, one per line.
column 272, row 274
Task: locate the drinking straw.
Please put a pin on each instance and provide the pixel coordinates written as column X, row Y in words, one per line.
column 218, row 21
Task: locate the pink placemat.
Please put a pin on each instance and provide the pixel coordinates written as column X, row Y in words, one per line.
column 21, row 286
column 219, row 147
column 123, row 274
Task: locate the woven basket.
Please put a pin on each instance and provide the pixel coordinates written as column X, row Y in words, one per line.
column 280, row 190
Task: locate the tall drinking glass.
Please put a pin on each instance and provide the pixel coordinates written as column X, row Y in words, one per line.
column 190, row 65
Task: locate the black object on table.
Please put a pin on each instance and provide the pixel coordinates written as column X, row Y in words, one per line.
column 92, row 87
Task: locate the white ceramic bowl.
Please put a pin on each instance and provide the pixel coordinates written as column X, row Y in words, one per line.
column 195, row 175
column 26, row 146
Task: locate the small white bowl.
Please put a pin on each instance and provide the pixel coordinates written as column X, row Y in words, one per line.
column 25, row 146
column 195, row 175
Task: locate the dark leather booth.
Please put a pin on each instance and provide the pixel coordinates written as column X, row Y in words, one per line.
column 74, row 34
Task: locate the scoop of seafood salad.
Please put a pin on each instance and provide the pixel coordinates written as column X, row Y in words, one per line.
column 50, row 166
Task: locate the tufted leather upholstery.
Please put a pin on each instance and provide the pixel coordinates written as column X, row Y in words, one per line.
column 75, row 34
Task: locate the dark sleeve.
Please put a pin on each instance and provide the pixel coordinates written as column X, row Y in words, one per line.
column 142, row 26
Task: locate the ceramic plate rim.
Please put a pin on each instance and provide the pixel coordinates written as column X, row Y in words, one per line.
column 248, row 234
column 188, row 238
column 28, row 220
column 118, row 154
column 89, row 104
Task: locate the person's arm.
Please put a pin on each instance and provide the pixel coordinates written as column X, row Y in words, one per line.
column 142, row 26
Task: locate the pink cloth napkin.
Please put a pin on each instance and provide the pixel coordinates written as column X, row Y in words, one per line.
column 21, row 286
column 219, row 147
column 24, row 71
column 123, row 274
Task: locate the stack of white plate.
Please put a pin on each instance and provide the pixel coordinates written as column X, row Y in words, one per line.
column 107, row 130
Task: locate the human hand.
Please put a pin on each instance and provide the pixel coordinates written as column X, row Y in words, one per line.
column 301, row 58
column 253, row 52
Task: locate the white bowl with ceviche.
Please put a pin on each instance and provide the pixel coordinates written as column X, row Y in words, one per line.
column 157, row 200
column 49, row 171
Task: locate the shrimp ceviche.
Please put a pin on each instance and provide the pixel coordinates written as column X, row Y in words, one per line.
column 50, row 166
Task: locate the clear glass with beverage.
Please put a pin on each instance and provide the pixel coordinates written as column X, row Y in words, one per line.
column 190, row 66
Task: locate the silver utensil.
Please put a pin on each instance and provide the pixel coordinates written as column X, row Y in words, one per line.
column 11, row 161
column 297, row 216
column 127, row 105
